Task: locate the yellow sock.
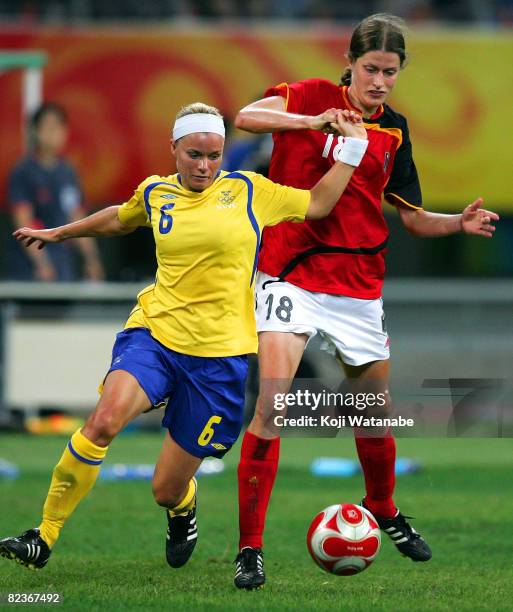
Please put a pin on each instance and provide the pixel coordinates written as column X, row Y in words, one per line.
column 73, row 478
column 188, row 501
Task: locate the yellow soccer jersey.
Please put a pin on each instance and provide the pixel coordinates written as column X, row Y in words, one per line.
column 207, row 244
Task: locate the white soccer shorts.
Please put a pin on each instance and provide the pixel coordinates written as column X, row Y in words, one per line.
column 353, row 327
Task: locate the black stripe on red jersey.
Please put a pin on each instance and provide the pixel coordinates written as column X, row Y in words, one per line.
column 404, row 181
column 300, row 257
column 394, row 199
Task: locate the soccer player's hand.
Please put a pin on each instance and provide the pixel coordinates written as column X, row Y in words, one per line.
column 349, row 123
column 28, row 236
column 324, row 121
column 475, row 220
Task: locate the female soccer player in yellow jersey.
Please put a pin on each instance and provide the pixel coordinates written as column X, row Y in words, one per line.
column 186, row 342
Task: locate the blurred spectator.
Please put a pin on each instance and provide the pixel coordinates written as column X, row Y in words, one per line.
column 505, row 12
column 252, row 153
column 44, row 191
column 247, row 152
column 62, row 11
column 413, row 11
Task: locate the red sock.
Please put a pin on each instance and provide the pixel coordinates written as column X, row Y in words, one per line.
column 257, row 472
column 377, row 458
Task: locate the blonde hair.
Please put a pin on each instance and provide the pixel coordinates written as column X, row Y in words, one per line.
column 198, row 107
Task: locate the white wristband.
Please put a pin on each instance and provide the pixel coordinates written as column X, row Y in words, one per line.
column 352, row 151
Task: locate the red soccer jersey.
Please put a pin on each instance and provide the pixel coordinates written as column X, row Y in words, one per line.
column 343, row 254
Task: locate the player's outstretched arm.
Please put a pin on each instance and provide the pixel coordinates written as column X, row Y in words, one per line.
column 102, row 223
column 270, row 115
column 326, row 193
column 473, row 220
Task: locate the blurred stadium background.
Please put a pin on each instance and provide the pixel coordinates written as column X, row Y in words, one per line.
column 122, row 70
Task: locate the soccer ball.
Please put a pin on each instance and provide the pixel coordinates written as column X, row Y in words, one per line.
column 344, row 539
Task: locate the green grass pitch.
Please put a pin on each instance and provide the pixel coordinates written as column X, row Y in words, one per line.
column 111, row 552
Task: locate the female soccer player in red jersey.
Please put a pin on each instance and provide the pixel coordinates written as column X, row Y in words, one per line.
column 185, row 344
column 326, row 276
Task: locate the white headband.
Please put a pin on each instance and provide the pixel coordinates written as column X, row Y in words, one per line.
column 198, row 122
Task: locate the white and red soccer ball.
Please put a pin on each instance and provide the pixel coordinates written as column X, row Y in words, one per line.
column 344, row 539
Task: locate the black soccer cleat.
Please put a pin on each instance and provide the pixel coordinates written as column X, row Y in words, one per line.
column 28, row 549
column 249, row 569
column 181, row 538
column 407, row 541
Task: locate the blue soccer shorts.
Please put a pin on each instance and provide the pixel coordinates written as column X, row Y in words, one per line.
column 204, row 395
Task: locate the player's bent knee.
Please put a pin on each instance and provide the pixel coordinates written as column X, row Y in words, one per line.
column 104, row 425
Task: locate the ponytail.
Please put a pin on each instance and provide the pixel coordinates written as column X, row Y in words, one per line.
column 345, row 79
